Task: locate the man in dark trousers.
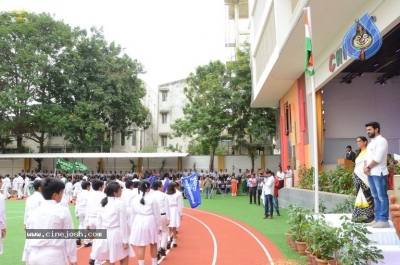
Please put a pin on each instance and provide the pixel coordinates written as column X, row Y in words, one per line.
column 350, row 155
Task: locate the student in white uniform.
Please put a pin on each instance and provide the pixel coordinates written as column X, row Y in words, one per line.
column 112, row 216
column 147, row 223
column 6, row 187
column 163, row 204
column 77, row 187
column 14, row 186
column 50, row 215
column 93, row 203
column 34, row 201
column 68, row 189
column 2, row 220
column 20, row 184
column 175, row 202
column 27, row 183
column 80, row 210
column 126, row 197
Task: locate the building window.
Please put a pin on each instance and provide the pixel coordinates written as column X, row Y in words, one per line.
column 290, row 118
column 55, row 150
column 56, row 134
column 164, row 117
column 163, row 140
column 164, row 95
column 134, row 138
column 122, row 139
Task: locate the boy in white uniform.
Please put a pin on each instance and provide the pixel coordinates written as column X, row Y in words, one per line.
column 68, row 190
column 26, row 187
column 6, row 187
column 33, row 201
column 50, row 215
column 2, row 220
column 80, row 210
column 93, row 202
column 77, row 189
column 163, row 204
column 127, row 196
column 20, row 184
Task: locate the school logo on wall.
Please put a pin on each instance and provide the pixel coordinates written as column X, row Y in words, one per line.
column 363, row 39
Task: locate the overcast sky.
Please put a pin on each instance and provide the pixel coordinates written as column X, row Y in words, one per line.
column 169, row 37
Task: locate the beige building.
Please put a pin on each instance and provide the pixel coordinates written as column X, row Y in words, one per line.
column 171, row 101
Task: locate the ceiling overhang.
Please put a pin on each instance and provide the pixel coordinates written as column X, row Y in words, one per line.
column 288, row 63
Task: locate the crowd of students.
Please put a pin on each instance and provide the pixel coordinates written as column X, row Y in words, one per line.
column 135, row 212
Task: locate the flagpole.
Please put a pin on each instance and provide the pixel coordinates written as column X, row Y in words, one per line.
column 314, row 125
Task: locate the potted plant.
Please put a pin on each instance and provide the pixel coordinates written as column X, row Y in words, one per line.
column 326, row 242
column 292, row 208
column 356, row 247
column 300, row 227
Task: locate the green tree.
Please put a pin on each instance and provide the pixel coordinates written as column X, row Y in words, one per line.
column 103, row 93
column 208, row 112
column 254, row 128
column 31, row 47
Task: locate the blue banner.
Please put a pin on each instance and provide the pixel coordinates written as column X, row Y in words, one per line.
column 192, row 189
column 363, row 40
column 165, row 184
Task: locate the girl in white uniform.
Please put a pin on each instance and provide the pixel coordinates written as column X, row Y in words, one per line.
column 175, row 202
column 2, row 220
column 112, row 216
column 147, row 223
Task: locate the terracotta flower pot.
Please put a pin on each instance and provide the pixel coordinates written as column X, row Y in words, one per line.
column 312, row 258
column 330, row 261
column 301, row 247
column 287, row 238
column 308, row 261
column 293, row 245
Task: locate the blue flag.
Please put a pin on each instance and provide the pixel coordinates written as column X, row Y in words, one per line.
column 192, row 189
column 151, row 179
column 165, row 185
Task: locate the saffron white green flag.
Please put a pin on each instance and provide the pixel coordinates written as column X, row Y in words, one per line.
column 309, row 55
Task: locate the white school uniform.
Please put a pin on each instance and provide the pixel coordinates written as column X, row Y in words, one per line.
column 50, row 215
column 80, row 210
column 26, row 187
column 77, row 188
column 147, row 221
column 32, row 203
column 68, row 190
column 163, row 205
column 93, row 203
column 113, row 218
column 20, row 184
column 127, row 196
column 64, row 201
column 2, row 219
column 6, row 187
column 175, row 202
column 15, row 184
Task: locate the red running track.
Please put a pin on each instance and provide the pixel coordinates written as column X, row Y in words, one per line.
column 211, row 239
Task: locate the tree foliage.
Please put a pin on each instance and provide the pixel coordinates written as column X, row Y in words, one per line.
column 253, row 127
column 219, row 100
column 54, row 78
column 208, row 112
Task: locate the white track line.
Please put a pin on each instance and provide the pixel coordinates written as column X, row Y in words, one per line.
column 245, row 229
column 214, row 261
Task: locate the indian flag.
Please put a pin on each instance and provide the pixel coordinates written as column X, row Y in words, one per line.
column 309, row 55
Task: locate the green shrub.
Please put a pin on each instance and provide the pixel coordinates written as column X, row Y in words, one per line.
column 338, row 180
